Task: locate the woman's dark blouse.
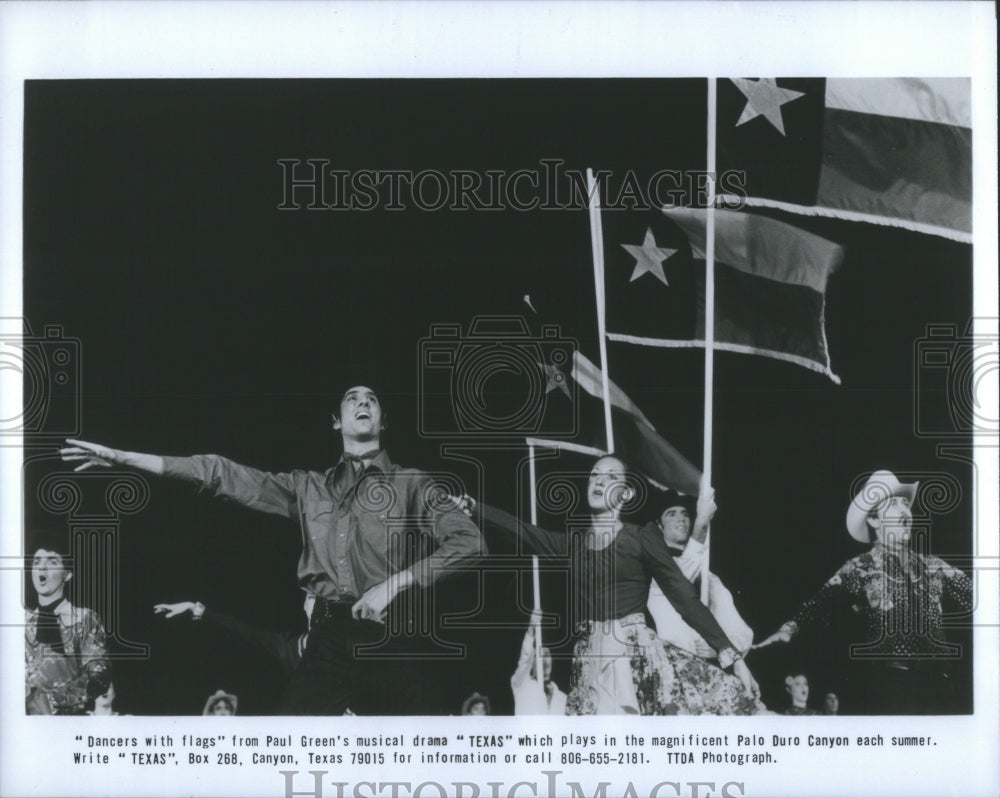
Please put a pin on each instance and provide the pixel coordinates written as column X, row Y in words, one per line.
column 614, row 581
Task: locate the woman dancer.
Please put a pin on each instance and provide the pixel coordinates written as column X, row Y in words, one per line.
column 619, row 664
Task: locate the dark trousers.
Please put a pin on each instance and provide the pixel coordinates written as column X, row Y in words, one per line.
column 361, row 666
column 914, row 687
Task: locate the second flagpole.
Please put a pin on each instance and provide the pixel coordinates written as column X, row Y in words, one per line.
column 597, row 247
column 706, row 476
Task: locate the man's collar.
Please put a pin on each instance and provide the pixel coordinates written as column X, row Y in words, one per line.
column 380, row 461
column 915, row 563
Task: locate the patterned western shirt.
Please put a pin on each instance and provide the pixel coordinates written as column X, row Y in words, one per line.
column 56, row 682
column 903, row 605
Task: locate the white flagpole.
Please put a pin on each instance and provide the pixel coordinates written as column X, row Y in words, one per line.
column 536, row 586
column 706, row 477
column 597, row 246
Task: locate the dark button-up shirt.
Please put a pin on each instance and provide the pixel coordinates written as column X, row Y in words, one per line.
column 902, row 605
column 395, row 519
column 613, row 582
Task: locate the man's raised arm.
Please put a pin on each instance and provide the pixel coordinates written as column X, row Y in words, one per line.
column 217, row 476
column 691, row 558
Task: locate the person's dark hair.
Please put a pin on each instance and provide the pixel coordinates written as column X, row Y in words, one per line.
column 374, row 388
column 217, row 701
column 48, row 539
column 661, row 500
column 791, row 673
column 873, row 515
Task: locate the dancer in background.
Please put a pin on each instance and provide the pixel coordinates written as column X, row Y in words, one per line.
column 66, row 661
column 831, row 704
column 797, row 687
column 476, row 704
column 285, row 648
column 103, row 704
column 685, row 541
column 221, row 703
column 531, row 695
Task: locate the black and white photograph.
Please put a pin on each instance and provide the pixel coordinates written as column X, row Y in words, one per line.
column 348, row 393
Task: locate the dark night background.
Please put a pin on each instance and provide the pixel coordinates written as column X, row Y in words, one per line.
column 210, row 321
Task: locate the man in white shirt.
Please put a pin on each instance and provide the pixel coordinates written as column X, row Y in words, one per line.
column 686, row 541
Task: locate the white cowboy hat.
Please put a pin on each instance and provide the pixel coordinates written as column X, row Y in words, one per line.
column 880, row 486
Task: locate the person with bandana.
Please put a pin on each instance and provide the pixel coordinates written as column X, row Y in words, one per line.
column 66, row 659
column 371, row 531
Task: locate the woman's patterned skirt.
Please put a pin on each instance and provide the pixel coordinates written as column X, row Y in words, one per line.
column 622, row 667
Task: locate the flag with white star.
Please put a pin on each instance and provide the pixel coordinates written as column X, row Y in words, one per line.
column 770, row 286
column 894, row 151
column 650, row 280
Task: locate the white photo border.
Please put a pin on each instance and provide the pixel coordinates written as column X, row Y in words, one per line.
column 520, row 40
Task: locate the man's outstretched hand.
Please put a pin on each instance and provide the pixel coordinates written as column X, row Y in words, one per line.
column 783, row 635
column 88, row 455
column 93, row 455
column 172, row 610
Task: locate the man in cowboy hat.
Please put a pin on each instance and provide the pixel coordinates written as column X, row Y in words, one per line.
column 901, row 595
column 371, row 531
column 684, row 521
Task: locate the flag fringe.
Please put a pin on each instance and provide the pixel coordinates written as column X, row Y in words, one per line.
column 728, row 200
column 665, row 343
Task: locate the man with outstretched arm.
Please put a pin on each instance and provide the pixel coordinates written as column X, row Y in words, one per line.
column 902, row 595
column 370, row 530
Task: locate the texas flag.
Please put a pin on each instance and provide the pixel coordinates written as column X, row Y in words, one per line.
column 770, row 284
column 894, row 151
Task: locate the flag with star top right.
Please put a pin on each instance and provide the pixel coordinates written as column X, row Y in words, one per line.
column 893, row 151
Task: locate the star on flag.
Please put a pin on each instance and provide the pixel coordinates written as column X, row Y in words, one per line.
column 764, row 98
column 554, row 378
column 648, row 258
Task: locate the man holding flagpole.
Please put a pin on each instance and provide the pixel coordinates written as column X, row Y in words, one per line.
column 686, row 542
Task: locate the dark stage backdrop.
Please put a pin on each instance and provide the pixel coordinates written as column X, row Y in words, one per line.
column 211, row 321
